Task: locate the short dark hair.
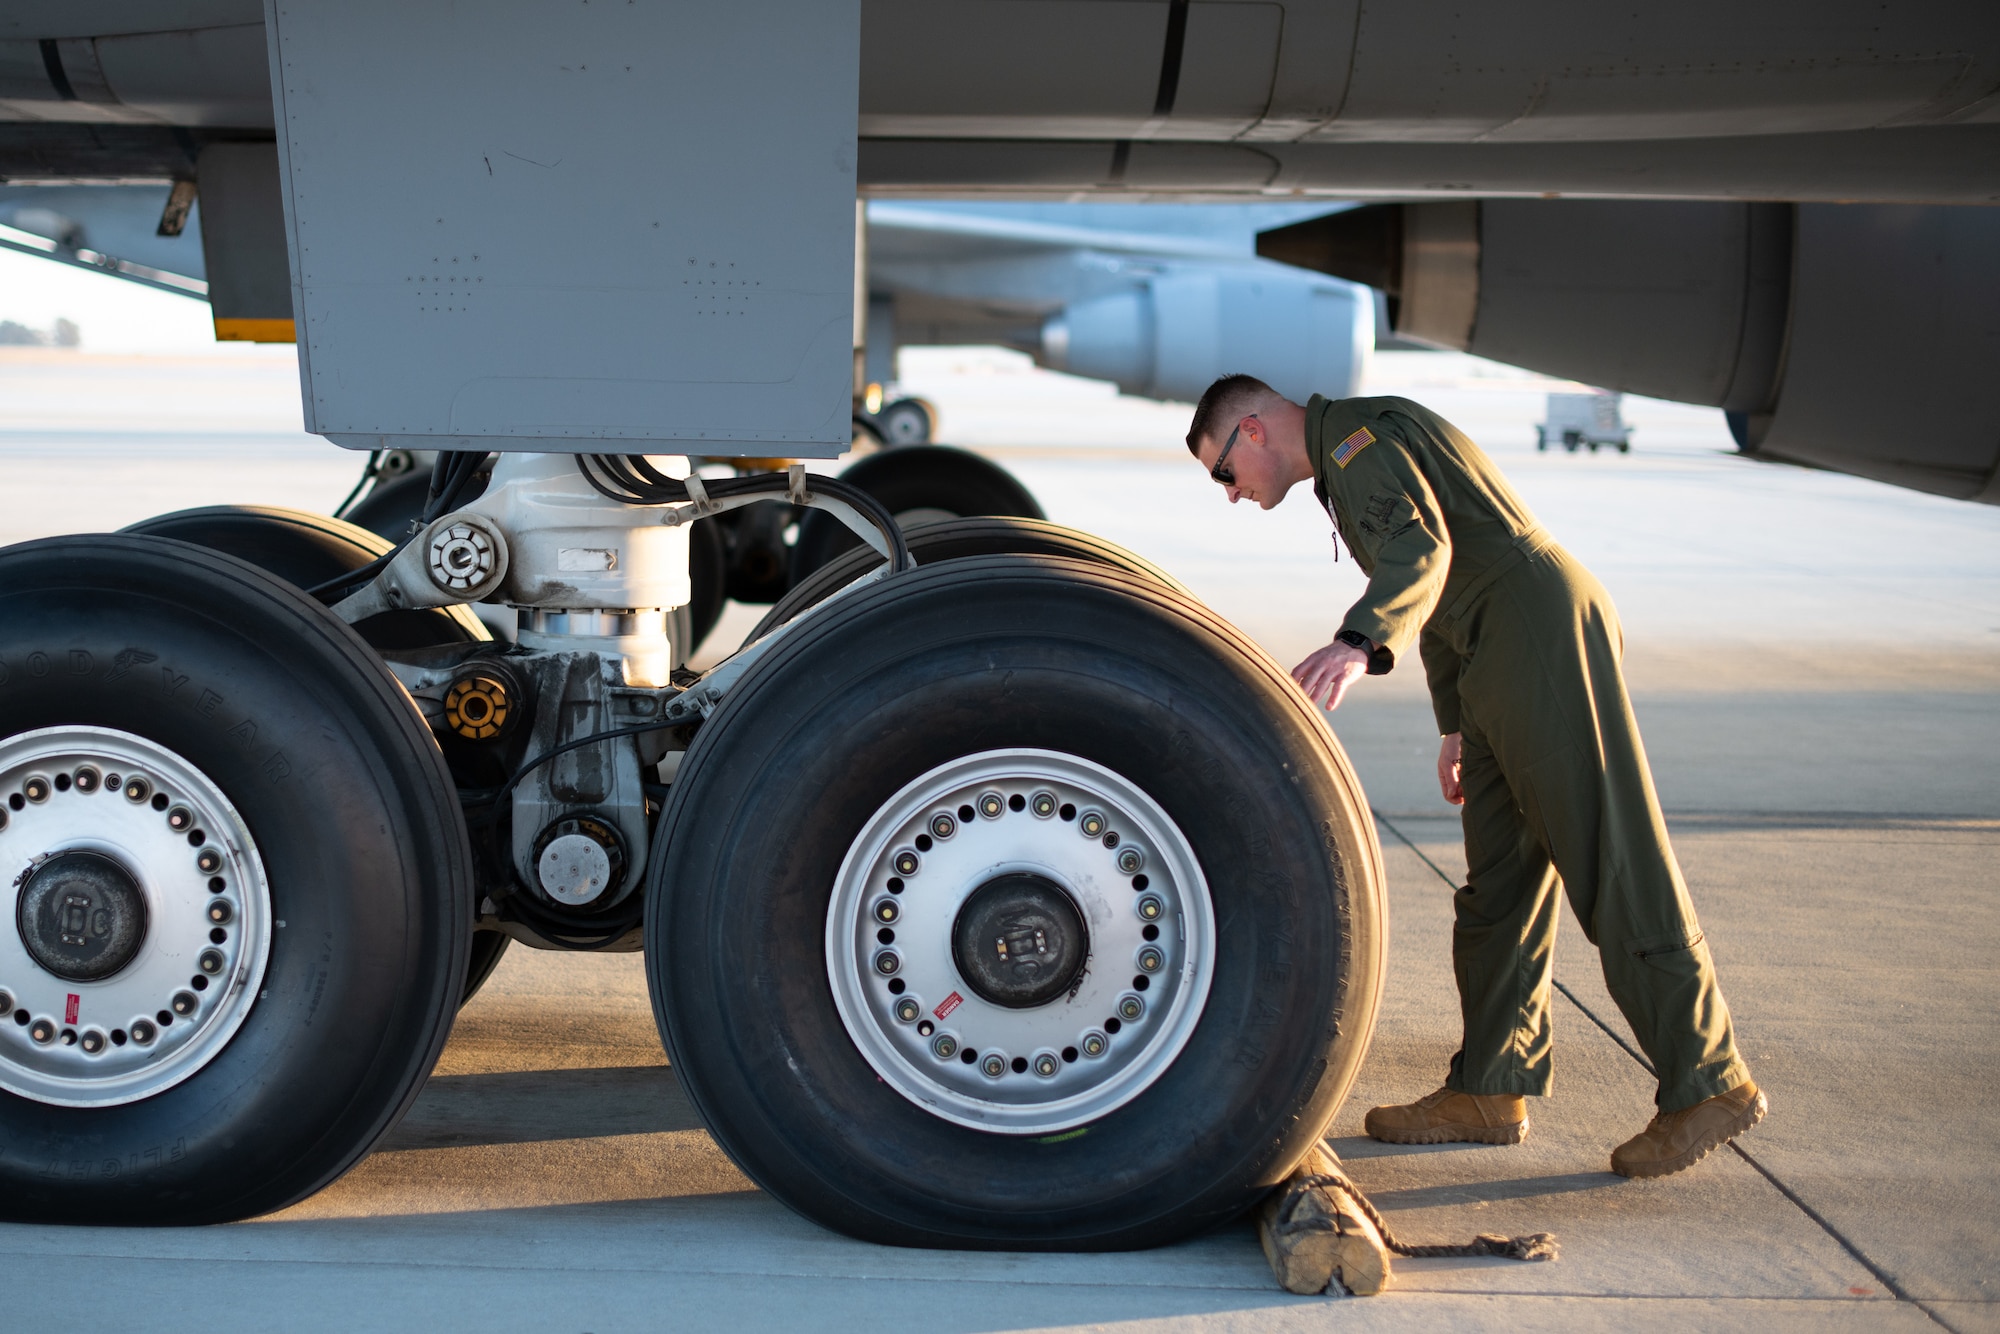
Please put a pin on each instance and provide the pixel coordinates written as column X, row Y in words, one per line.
column 1230, row 396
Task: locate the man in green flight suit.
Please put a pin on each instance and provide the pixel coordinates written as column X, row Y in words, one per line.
column 1521, row 648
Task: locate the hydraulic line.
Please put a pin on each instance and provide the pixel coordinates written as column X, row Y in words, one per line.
column 633, row 480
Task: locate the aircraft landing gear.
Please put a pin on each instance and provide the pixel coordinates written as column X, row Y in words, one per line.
column 1056, row 903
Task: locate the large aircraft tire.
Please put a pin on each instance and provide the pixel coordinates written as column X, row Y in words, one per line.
column 305, row 549
column 917, row 484
column 281, row 871
column 956, row 539
column 1016, row 713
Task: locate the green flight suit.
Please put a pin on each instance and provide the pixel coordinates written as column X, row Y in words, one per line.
column 1521, row 647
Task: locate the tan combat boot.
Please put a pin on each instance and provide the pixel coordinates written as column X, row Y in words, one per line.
column 1448, row 1117
column 1681, row 1139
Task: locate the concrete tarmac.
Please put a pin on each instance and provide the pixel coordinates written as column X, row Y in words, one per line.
column 1816, row 668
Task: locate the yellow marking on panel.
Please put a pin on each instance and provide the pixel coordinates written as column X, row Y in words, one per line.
column 254, row 331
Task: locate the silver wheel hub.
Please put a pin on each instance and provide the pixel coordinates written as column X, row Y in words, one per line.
column 139, row 921
column 1020, row 941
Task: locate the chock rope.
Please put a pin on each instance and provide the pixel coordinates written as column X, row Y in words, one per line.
column 1535, row 1246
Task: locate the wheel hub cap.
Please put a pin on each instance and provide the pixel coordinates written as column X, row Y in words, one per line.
column 142, row 917
column 82, row 916
column 1019, row 941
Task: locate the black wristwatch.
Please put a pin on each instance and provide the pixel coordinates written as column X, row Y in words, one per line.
column 1380, row 659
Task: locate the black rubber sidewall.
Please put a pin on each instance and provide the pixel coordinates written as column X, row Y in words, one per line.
column 985, row 654
column 353, row 813
column 958, row 539
column 914, row 477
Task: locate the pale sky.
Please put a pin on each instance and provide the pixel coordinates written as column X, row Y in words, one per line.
column 114, row 315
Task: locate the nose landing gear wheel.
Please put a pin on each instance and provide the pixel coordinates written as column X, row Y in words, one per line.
column 240, row 888
column 1016, row 902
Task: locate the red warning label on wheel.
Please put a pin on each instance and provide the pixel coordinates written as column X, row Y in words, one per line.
column 948, row 1004
column 69, row 1009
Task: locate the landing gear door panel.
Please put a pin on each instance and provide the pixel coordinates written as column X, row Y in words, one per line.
column 596, row 228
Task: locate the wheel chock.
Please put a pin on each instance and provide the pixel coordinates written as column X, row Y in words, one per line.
column 1315, row 1233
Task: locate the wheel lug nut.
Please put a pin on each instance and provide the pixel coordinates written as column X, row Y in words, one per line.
column 6, row 1004
column 209, row 860
column 991, row 805
column 1046, row 1065
column 185, row 1003
column 180, row 819
column 1151, row 908
column 886, row 963
column 1043, row 804
column 219, row 911
column 93, row 1042
column 1150, row 959
column 1131, row 860
column 907, row 1010
column 943, row 826
column 1092, row 824
column 906, row 862
column 87, row 779
column 36, row 789
column 211, row 962
column 946, row 1046
column 143, row 1032
column 887, row 911
column 43, row 1032
column 1130, row 1008
column 1094, row 1044
column 993, row 1066
column 137, row 789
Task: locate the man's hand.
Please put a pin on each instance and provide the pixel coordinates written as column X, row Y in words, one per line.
column 1326, row 675
column 1448, row 772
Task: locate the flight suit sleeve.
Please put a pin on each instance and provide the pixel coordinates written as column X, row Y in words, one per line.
column 1396, row 524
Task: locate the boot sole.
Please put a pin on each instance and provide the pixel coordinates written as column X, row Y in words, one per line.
column 1455, row 1134
column 1666, row 1167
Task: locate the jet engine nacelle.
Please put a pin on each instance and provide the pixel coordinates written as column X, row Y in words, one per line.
column 1859, row 338
column 1171, row 337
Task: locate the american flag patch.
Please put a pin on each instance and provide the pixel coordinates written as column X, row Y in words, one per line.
column 1354, row 444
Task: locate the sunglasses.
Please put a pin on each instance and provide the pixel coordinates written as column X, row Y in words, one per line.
column 1222, row 472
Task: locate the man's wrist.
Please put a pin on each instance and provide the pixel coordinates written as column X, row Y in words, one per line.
column 1380, row 660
